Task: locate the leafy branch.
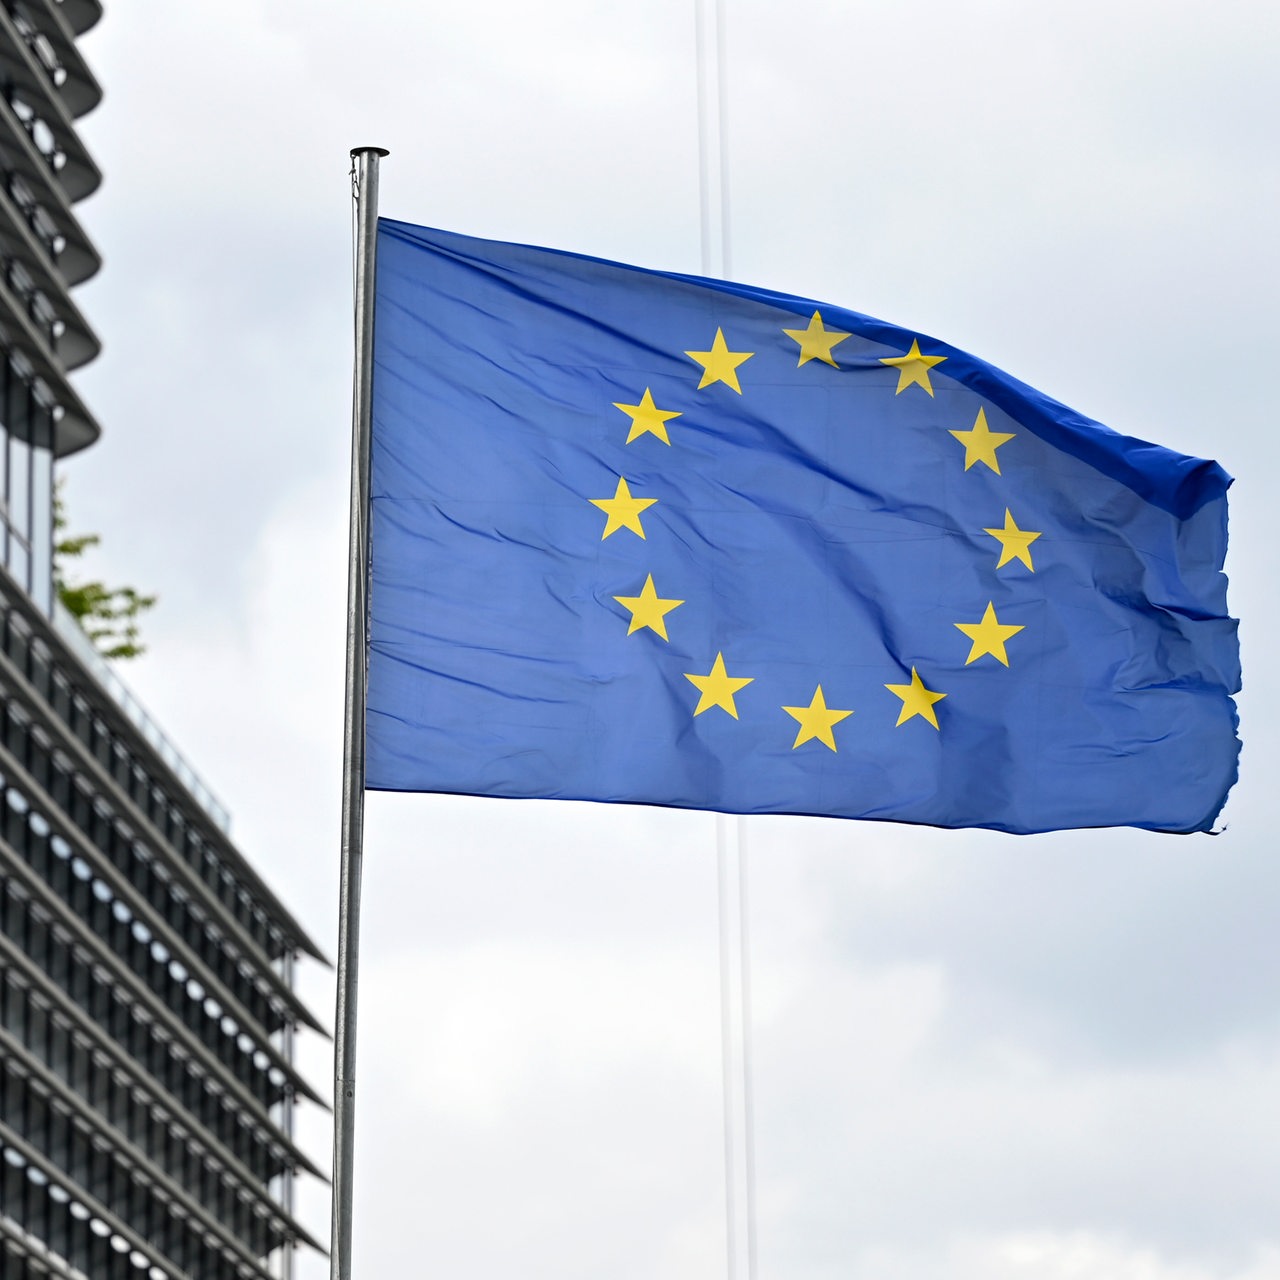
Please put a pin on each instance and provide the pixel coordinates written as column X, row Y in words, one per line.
column 109, row 615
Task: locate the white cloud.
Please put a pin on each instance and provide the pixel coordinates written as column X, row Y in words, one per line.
column 1076, row 1255
column 488, row 1024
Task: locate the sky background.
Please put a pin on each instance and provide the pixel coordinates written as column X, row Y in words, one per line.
column 979, row 1056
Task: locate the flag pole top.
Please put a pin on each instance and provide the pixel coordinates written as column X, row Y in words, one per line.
column 377, row 151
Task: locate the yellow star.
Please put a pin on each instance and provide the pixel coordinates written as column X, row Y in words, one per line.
column 1015, row 543
column 816, row 341
column 981, row 443
column 816, row 720
column 916, row 700
column 913, row 367
column 720, row 364
column 647, row 610
column 988, row 636
column 622, row 509
column 718, row 688
column 646, row 416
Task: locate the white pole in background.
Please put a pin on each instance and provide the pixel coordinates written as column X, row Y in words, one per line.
column 731, row 846
column 735, row 1047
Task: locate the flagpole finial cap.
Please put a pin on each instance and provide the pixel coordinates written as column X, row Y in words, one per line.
column 377, row 151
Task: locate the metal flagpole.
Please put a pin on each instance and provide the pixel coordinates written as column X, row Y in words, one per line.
column 365, row 196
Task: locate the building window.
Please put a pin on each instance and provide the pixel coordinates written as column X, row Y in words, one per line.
column 26, row 486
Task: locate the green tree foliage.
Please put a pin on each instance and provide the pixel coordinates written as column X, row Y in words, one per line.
column 109, row 615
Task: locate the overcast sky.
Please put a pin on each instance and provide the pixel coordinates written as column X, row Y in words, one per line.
column 978, row 1056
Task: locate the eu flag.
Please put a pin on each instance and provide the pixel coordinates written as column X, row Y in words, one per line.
column 652, row 538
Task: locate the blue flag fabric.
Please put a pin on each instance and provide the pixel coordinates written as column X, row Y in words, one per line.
column 646, row 537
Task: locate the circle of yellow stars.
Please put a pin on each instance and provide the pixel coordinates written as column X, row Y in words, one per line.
column 717, row 689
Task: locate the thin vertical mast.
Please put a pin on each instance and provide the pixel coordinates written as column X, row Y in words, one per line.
column 731, row 839
column 365, row 194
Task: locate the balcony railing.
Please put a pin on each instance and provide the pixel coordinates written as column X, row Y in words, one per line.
column 65, row 624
